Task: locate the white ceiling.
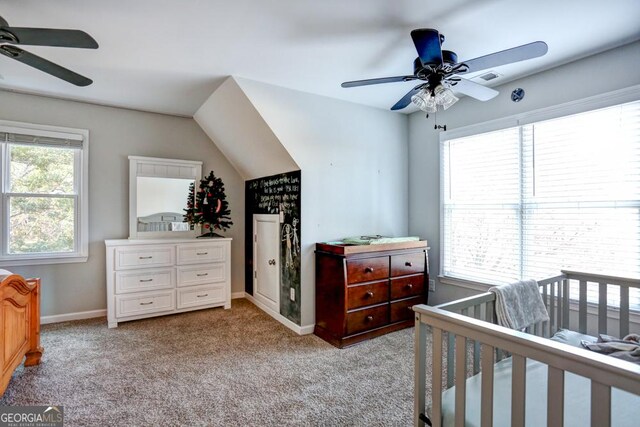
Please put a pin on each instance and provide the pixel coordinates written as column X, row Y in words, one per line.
column 169, row 56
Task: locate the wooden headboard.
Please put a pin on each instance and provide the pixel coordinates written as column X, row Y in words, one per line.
column 19, row 324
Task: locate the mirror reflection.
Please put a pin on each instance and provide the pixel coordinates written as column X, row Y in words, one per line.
column 161, row 203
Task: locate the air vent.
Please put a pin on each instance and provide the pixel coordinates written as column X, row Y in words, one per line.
column 489, row 76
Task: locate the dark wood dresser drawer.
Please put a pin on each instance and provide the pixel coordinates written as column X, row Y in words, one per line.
column 405, row 287
column 367, row 318
column 401, row 310
column 404, row 264
column 367, row 269
column 368, row 294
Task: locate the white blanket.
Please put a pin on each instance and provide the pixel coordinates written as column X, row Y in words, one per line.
column 519, row 304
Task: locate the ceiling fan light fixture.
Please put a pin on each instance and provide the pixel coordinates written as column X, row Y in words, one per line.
column 444, row 96
column 424, row 101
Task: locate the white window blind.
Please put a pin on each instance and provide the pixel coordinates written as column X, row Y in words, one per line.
column 532, row 200
column 43, row 189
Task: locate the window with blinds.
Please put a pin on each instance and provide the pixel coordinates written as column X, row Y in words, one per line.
column 531, row 200
column 44, row 210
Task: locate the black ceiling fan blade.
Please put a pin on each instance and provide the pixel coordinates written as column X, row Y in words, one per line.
column 472, row 89
column 47, row 37
column 43, row 65
column 367, row 82
column 508, row 56
column 428, row 45
column 406, row 100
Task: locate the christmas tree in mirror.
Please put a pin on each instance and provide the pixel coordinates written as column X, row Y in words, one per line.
column 208, row 206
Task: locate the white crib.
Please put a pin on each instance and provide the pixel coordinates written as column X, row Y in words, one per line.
column 468, row 325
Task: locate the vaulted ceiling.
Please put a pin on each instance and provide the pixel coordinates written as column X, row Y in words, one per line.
column 169, row 56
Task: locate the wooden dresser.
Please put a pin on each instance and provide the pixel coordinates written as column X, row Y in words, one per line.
column 147, row 278
column 366, row 291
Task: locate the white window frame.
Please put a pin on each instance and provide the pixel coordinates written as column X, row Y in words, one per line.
column 81, row 186
column 609, row 99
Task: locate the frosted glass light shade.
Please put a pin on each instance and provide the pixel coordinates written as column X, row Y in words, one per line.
column 444, row 97
column 424, row 101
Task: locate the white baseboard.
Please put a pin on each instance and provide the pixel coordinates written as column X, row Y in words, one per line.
column 57, row 318
column 300, row 330
column 236, row 295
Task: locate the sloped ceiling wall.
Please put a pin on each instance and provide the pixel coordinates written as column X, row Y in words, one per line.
column 240, row 132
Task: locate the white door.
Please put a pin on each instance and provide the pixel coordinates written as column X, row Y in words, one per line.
column 266, row 260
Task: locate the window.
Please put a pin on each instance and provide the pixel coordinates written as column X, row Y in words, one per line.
column 44, row 203
column 534, row 199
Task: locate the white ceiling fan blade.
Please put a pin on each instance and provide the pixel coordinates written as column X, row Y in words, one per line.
column 472, row 89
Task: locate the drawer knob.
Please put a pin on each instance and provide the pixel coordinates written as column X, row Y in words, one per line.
column 368, row 270
column 202, row 296
column 202, row 274
column 408, row 264
column 146, row 280
column 146, row 303
column 369, row 294
column 368, row 318
column 145, row 257
column 410, row 286
column 202, row 253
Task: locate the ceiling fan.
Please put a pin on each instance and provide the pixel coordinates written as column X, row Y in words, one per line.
column 10, row 36
column 439, row 70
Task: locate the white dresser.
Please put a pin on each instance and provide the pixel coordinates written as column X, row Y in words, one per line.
column 147, row 278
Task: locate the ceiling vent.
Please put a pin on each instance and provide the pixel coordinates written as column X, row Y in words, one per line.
column 489, row 76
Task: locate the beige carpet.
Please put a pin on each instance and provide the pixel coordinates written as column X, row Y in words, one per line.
column 235, row 367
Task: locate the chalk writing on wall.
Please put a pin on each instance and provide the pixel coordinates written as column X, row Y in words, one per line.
column 278, row 194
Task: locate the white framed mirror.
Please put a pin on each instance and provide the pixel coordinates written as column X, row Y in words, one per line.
column 158, row 194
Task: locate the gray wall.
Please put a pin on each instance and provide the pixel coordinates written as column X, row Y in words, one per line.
column 115, row 134
column 353, row 161
column 612, row 70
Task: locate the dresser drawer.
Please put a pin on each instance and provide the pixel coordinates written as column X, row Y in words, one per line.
column 145, row 303
column 200, row 295
column 144, row 256
column 144, row 280
column 367, row 269
column 404, row 287
column 369, row 294
column 401, row 310
column 404, row 264
column 201, row 253
column 367, row 318
column 201, row 274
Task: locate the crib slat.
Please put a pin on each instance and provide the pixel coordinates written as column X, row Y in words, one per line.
column 476, row 344
column 582, row 308
column 489, row 311
column 600, row 405
column 487, row 386
column 450, row 353
column 602, row 308
column 461, row 380
column 436, row 378
column 565, row 304
column 555, row 397
column 545, row 297
column 518, row 386
column 419, row 358
column 624, row 311
column 552, row 310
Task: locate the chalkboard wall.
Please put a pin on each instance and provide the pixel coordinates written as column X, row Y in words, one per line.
column 272, row 195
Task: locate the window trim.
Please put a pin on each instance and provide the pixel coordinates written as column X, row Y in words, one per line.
column 81, row 172
column 604, row 100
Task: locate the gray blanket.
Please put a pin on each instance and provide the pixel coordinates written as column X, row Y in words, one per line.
column 519, row 304
column 627, row 348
